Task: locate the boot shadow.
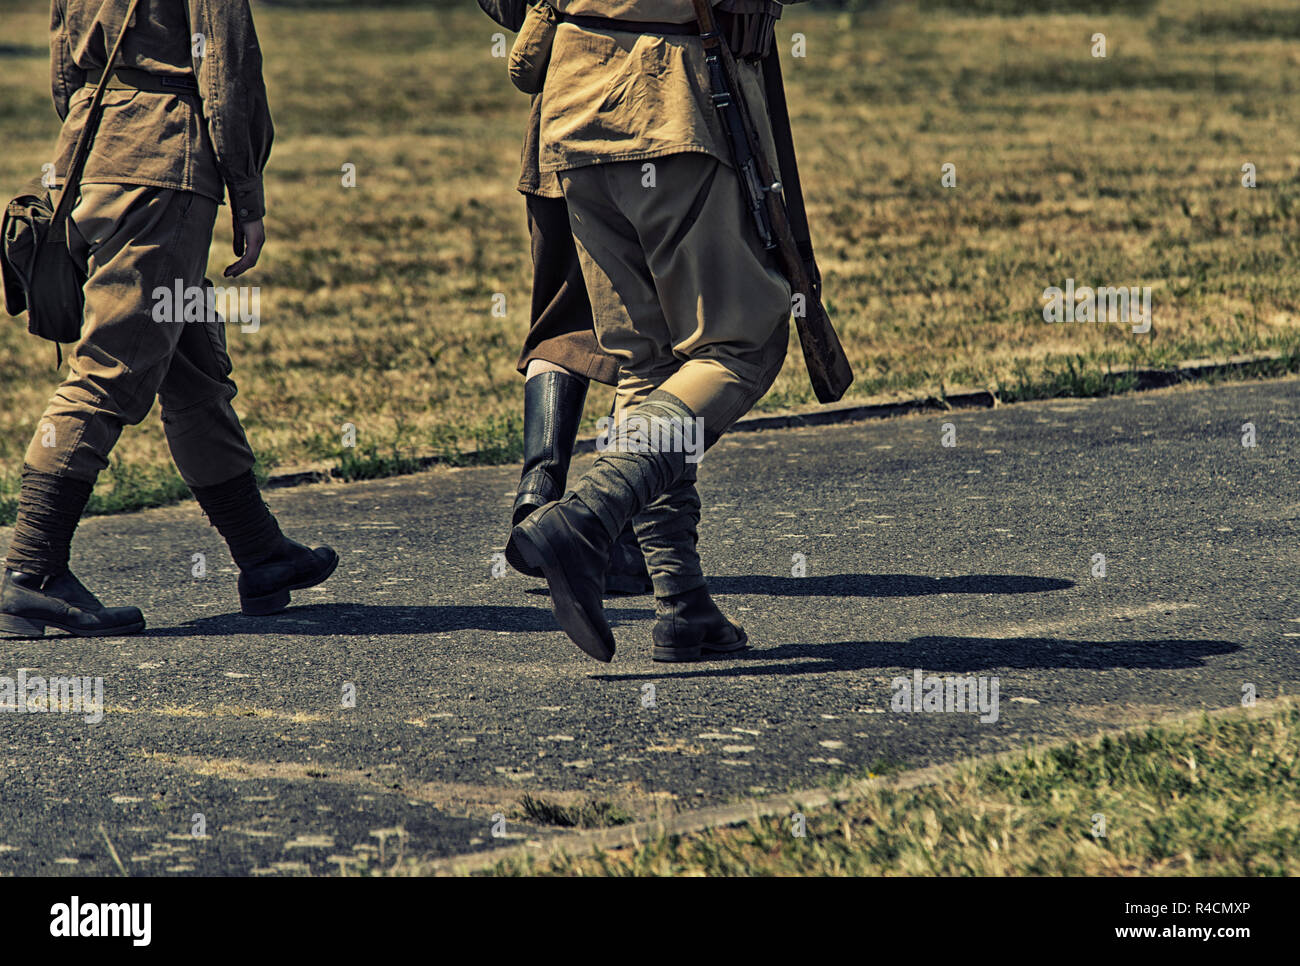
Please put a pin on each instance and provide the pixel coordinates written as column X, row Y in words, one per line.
column 869, row 585
column 952, row 655
column 356, row 620
column 884, row 585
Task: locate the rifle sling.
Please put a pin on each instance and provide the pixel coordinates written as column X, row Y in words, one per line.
column 72, row 182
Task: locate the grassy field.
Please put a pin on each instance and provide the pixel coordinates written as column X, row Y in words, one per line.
column 1214, row 798
column 377, row 300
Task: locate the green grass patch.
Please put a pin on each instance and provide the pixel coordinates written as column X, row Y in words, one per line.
column 1082, row 377
column 1214, row 797
column 590, row 814
column 370, row 464
column 489, row 442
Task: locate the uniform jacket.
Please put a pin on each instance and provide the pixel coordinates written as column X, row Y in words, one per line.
column 619, row 96
column 220, row 139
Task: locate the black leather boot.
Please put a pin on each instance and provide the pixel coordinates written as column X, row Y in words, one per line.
column 667, row 531
column 271, row 565
column 689, row 625
column 571, row 540
column 552, row 411
column 570, row 546
column 31, row 603
column 264, row 587
column 553, row 404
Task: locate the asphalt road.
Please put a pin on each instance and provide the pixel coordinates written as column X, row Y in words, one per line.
column 976, row 559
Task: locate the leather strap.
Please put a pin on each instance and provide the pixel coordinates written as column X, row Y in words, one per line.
column 632, row 26
column 72, row 182
column 133, row 79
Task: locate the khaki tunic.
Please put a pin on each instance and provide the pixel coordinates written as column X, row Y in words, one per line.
column 219, row 140
column 619, row 96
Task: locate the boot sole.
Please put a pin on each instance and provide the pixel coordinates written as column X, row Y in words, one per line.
column 685, row 655
column 269, row 604
column 25, row 627
column 564, row 603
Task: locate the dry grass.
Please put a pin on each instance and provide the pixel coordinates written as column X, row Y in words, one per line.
column 376, row 301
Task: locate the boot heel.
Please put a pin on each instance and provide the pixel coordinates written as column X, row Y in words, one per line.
column 671, row 654
column 263, row 606
column 527, row 550
column 20, row 627
column 516, row 559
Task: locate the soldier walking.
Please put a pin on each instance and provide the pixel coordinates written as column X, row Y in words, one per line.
column 685, row 296
column 185, row 122
column 560, row 355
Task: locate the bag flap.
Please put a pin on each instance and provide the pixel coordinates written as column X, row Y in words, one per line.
column 18, row 242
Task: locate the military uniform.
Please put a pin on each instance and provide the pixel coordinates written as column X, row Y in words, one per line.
column 185, row 123
column 561, row 333
column 157, row 171
column 683, row 295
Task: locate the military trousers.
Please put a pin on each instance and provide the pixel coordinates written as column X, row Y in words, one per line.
column 136, row 343
column 682, row 291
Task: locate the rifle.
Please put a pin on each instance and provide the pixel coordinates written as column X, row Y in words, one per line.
column 828, row 367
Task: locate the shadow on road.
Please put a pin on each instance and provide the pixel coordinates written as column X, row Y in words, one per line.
column 348, row 620
column 885, row 585
column 941, row 655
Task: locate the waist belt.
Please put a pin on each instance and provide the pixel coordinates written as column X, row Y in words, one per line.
column 132, row 79
column 690, row 29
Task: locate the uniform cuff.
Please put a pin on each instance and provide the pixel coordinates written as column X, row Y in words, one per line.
column 247, row 200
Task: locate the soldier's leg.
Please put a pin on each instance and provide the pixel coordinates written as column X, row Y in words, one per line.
column 687, row 621
column 734, row 337
column 560, row 356
column 570, row 541
column 699, row 317
column 127, row 237
column 211, row 452
column 724, row 302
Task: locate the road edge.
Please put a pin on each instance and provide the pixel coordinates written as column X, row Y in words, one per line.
column 837, row 413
